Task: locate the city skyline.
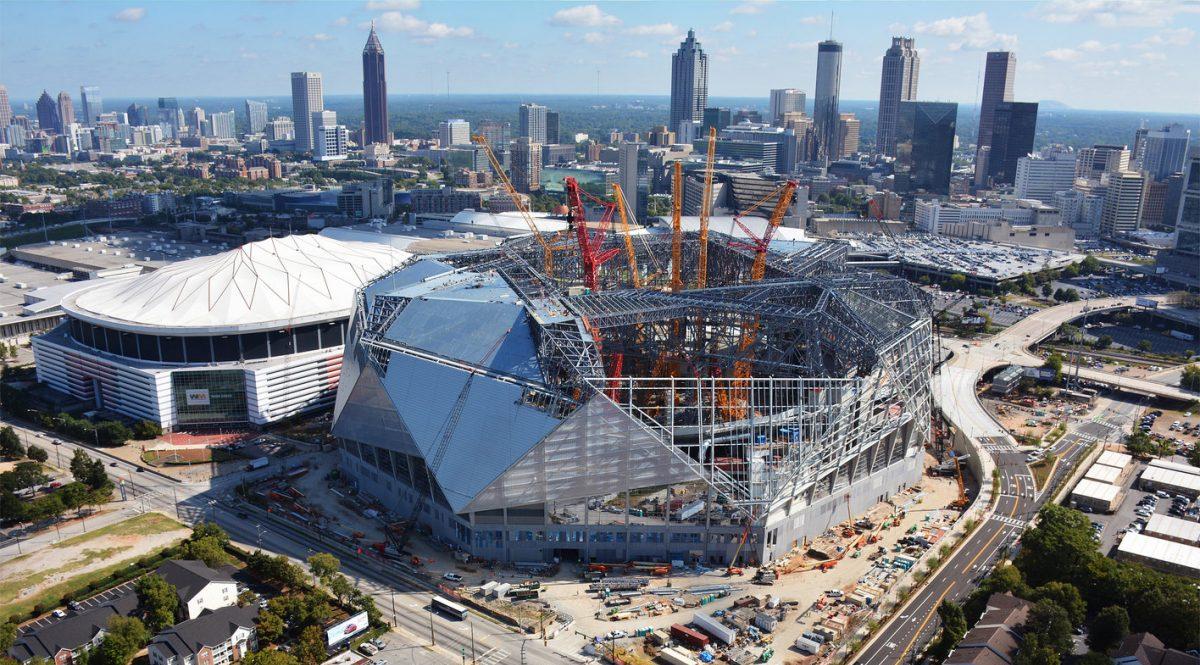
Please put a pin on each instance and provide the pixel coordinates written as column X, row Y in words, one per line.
column 1068, row 52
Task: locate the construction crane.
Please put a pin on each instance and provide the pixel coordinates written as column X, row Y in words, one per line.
column 962, row 501
column 591, row 245
column 622, row 205
column 706, row 208
column 434, row 460
column 547, row 249
column 677, row 228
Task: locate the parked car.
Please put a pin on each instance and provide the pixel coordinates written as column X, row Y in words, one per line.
column 453, row 577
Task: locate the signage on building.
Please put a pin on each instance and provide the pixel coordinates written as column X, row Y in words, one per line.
column 197, row 397
column 1148, row 303
column 340, row 632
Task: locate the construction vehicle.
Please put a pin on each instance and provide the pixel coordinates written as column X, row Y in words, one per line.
column 962, row 501
column 733, row 569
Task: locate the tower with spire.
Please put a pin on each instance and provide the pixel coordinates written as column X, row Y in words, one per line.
column 374, row 92
column 689, row 82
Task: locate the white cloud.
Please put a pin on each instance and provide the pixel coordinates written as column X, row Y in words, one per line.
column 638, row 54
column 972, row 32
column 398, row 22
column 1063, row 54
column 801, row 46
column 1169, row 37
column 1154, row 56
column 1116, row 13
column 384, row 5
column 341, row 20
column 723, row 26
column 897, row 28
column 751, row 7
column 813, row 20
column 653, row 29
column 319, row 37
column 593, row 38
column 130, row 14
column 589, row 16
column 1092, row 46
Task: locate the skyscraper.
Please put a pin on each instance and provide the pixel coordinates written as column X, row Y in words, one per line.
column 5, row 108
column 307, row 98
column 825, row 99
column 66, row 110
column 552, row 130
column 47, row 113
column 90, row 104
column 532, row 122
column 849, row 130
column 998, row 76
column 1013, row 127
column 198, row 122
column 497, row 133
column 784, row 100
column 1185, row 257
column 718, row 117
column 1122, row 203
column 223, row 124
column 1165, row 151
column 137, row 115
column 454, row 132
column 898, row 83
column 689, row 82
column 526, row 168
column 256, row 116
column 375, row 112
column 1042, row 176
column 1099, row 159
column 170, row 114
column 925, row 146
column 628, row 172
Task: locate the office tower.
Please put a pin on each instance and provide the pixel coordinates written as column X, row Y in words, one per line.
column 1139, row 143
column 497, row 134
column 375, row 113
column 898, row 83
column 66, row 110
column 849, row 128
column 628, row 173
column 1165, row 150
column 825, row 98
column 454, row 132
column 197, row 120
column 689, row 82
column 171, row 115
column 281, row 129
column 1099, row 159
column 1154, row 202
column 330, row 140
column 1122, row 203
column 1040, row 176
column 90, row 104
column 526, row 165
column 1013, row 127
column 6, row 113
column 47, row 113
column 532, row 123
column 998, row 76
column 256, row 116
column 784, row 100
column 1082, row 210
column 307, row 98
column 1185, row 257
column 925, row 146
column 137, row 115
column 715, row 117
column 224, row 124
column 553, row 134
column 1174, row 183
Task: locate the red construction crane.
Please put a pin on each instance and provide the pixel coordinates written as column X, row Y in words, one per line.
column 591, row 244
column 760, row 245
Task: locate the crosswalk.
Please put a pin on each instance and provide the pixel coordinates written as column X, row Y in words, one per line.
column 999, row 448
column 1011, row 521
column 492, row 656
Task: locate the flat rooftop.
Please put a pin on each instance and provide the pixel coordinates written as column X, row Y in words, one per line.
column 150, row 251
column 12, row 296
column 974, row 258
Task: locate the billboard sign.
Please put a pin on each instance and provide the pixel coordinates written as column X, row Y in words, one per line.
column 1147, row 303
column 197, row 397
column 344, row 630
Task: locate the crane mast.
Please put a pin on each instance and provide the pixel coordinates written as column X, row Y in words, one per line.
column 677, row 228
column 705, row 208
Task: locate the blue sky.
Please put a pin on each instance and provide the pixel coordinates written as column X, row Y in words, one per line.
column 1104, row 54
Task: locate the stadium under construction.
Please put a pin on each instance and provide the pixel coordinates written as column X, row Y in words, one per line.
column 700, row 400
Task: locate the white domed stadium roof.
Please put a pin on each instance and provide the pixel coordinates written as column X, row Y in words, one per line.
column 272, row 283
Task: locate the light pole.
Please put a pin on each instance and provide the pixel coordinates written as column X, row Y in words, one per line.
column 432, row 638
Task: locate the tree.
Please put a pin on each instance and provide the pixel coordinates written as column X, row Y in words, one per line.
column 957, row 281
column 1034, row 652
column 1047, row 290
column 12, row 509
column 158, row 600
column 210, row 530
column 146, row 429
column 954, row 626
column 269, row 657
column 1065, row 596
column 1145, row 346
column 1103, row 342
column 1055, row 362
column 323, row 566
column 125, row 637
column 37, row 454
column 1189, row 379
column 112, row 433
column 74, row 495
column 310, row 647
column 246, row 597
column 1108, row 628
column 341, row 588
column 10, row 444
column 8, row 634
column 1139, row 444
column 1051, row 624
column 1093, row 658
column 207, row 549
column 270, row 626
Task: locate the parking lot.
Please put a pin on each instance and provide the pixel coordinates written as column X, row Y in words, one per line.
column 1127, row 513
column 97, row 600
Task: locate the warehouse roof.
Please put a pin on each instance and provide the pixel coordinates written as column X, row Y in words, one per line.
column 1172, row 478
column 1113, row 458
column 1149, row 547
column 1174, row 466
column 262, row 285
column 1103, row 473
column 1173, row 528
column 1092, row 489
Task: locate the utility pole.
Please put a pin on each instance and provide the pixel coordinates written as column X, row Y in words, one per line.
column 472, row 624
column 432, row 637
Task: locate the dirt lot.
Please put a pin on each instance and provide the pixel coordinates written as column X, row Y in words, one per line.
column 1034, row 421
column 49, row 573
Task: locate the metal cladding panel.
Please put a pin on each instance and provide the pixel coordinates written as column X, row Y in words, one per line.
column 406, row 276
column 597, row 450
column 370, row 416
column 495, row 428
column 491, row 334
column 351, row 367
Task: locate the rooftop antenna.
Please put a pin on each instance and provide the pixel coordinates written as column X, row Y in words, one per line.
column 831, row 25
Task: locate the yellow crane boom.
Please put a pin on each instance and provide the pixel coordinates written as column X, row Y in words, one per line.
column 706, row 208
column 629, row 250
column 676, row 228
column 547, row 248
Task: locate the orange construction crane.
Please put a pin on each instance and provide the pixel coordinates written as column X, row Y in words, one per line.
column 706, row 208
column 547, row 249
column 622, row 205
column 962, row 501
column 677, row 228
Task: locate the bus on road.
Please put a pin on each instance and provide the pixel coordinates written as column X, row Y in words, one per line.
column 448, row 608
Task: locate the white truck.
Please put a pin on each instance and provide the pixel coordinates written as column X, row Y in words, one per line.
column 258, row 463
